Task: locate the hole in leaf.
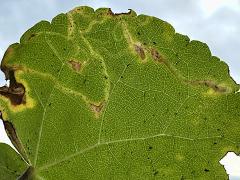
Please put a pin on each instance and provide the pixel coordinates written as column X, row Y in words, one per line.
column 231, row 163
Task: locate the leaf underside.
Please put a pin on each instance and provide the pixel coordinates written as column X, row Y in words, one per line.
column 98, row 95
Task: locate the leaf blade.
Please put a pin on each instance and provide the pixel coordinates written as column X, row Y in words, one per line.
column 120, row 95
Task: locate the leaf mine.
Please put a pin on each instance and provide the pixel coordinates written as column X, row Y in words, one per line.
column 76, row 66
column 15, row 92
column 215, row 87
column 140, row 51
column 157, row 56
column 97, row 109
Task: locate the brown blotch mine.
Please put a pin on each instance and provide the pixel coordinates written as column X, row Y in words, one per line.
column 76, row 66
column 157, row 56
column 16, row 91
column 140, row 51
column 97, row 109
column 210, row 84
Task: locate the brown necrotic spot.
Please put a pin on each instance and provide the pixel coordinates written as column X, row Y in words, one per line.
column 31, row 36
column 97, row 109
column 218, row 88
column 11, row 132
column 156, row 55
column 206, row 170
column 15, row 92
column 76, row 66
column 140, row 51
column 210, row 84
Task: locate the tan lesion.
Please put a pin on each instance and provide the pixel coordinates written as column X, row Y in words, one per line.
column 157, row 57
column 76, row 65
column 140, row 51
column 135, row 46
column 214, row 88
column 211, row 84
column 97, row 108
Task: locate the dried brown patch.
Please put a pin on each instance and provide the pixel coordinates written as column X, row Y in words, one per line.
column 210, row 84
column 10, row 130
column 140, row 51
column 130, row 12
column 31, row 36
column 76, row 66
column 157, row 56
column 110, row 13
column 15, row 92
column 97, row 109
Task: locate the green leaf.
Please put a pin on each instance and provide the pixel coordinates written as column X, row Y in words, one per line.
column 12, row 165
column 98, row 95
